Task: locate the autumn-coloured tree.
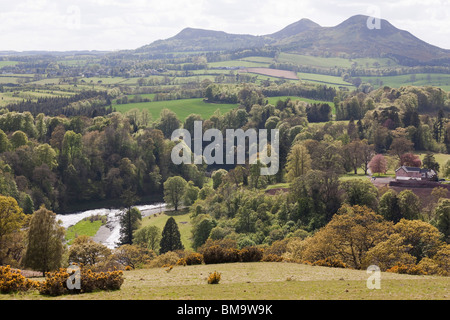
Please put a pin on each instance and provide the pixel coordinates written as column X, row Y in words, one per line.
column 11, row 220
column 348, row 237
column 378, row 164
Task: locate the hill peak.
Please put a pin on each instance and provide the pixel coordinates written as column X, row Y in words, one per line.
column 296, row 28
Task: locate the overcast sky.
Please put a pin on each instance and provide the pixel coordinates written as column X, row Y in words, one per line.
column 128, row 24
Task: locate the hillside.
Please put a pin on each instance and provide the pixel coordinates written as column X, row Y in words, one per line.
column 266, row 281
column 351, row 38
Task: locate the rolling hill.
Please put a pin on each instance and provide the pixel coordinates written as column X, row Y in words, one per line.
column 350, row 39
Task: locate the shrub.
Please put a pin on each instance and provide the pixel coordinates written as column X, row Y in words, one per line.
column 194, row 259
column 13, row 281
column 181, row 262
column 251, row 254
column 55, row 283
column 331, row 263
column 407, row 269
column 272, row 258
column 169, row 258
column 214, row 278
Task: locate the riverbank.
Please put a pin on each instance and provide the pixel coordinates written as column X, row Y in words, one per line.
column 108, row 234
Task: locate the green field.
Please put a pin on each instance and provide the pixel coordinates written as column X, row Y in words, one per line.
column 262, row 281
column 183, row 108
column 333, row 62
column 420, row 79
column 182, row 219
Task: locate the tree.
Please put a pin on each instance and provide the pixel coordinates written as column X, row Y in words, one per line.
column 217, row 177
column 174, row 189
column 148, row 237
column 202, row 226
column 367, row 153
column 399, row 146
column 409, row 204
column 86, row 251
column 11, row 220
column 348, row 236
column 298, row 162
column 168, row 123
column 129, row 222
column 442, row 213
column 18, row 139
column 429, row 162
column 378, row 164
column 45, row 247
column 388, row 206
column 354, row 154
column 171, row 237
column 410, row 160
column 360, row 192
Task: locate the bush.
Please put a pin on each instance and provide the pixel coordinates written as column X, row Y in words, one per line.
column 411, row 269
column 331, row 263
column 169, row 258
column 251, row 254
column 55, row 283
column 194, row 259
column 13, row 281
column 214, row 278
column 272, row 258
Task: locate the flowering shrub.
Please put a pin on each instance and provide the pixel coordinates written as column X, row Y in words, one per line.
column 14, row 281
column 214, row 278
column 331, row 263
column 194, row 259
column 407, row 269
column 55, row 283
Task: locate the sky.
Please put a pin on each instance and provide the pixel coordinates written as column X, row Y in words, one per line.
column 106, row 25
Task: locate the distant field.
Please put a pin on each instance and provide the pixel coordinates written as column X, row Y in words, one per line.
column 238, row 63
column 183, row 108
column 325, row 79
column 420, row 79
column 284, row 74
column 7, row 63
column 333, row 62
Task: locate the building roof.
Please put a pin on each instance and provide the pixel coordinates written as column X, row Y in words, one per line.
column 413, row 169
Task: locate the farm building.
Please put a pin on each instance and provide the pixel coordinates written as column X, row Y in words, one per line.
column 411, row 173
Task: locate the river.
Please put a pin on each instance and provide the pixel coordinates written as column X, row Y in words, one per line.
column 108, row 234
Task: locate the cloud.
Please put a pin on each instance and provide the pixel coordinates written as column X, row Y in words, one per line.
column 129, row 24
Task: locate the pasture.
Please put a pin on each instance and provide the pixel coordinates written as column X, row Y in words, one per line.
column 183, row 108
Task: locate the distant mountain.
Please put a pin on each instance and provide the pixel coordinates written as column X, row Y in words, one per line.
column 295, row 29
column 352, row 38
column 191, row 39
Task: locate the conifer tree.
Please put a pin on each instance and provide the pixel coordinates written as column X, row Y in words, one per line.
column 171, row 238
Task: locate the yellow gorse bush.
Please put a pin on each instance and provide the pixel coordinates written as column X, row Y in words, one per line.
column 13, row 281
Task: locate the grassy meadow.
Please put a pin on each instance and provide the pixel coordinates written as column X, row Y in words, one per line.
column 183, row 108
column 262, row 281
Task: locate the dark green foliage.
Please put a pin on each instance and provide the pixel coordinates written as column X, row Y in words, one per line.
column 171, row 238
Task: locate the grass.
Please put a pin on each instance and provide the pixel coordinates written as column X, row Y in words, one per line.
column 84, row 227
column 182, row 218
column 183, row 108
column 421, row 79
column 264, row 281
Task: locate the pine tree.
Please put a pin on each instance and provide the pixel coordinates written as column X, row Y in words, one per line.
column 171, row 238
